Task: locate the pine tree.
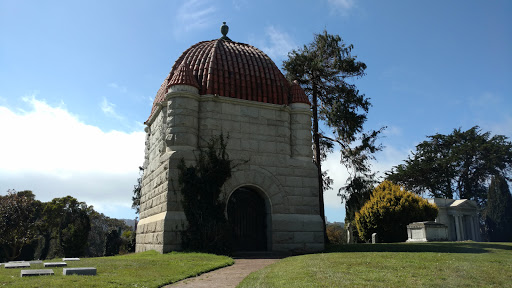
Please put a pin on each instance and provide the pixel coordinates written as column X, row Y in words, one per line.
column 323, row 69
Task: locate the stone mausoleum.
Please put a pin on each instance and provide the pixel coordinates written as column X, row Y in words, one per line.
column 457, row 220
column 460, row 217
column 222, row 86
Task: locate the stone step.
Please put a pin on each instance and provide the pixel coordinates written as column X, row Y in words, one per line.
column 55, row 264
column 17, row 265
column 36, row 272
column 79, row 271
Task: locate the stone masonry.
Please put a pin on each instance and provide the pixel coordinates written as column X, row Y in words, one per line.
column 275, row 140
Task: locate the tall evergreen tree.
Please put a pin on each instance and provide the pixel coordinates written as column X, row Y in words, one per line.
column 498, row 213
column 457, row 165
column 66, row 220
column 323, row 69
column 136, row 191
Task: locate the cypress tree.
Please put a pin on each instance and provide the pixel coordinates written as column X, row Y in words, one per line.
column 498, row 213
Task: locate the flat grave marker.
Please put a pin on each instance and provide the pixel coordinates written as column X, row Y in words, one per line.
column 70, row 259
column 36, row 272
column 17, row 265
column 55, row 264
column 79, row 271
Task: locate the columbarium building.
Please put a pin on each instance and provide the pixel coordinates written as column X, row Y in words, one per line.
column 222, row 86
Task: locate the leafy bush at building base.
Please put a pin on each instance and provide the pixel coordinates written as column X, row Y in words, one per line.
column 389, row 211
column 208, row 229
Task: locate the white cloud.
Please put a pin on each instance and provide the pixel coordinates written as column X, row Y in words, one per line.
column 193, row 15
column 392, row 131
column 503, row 127
column 239, row 4
column 118, row 87
column 277, row 43
column 109, row 109
column 50, row 151
column 387, row 158
column 339, row 174
column 342, row 6
column 484, row 100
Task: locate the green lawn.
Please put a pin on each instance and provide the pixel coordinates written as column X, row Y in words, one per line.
column 464, row 264
column 148, row 269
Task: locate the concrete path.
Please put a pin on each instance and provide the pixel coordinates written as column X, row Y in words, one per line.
column 225, row 277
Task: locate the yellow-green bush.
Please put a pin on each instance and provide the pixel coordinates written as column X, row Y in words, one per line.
column 389, row 211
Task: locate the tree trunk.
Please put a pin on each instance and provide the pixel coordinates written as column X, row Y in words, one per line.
column 318, row 160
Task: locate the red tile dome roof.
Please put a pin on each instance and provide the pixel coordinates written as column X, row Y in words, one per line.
column 231, row 69
column 183, row 76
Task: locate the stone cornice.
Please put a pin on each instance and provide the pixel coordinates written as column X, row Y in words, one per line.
column 242, row 102
column 294, row 108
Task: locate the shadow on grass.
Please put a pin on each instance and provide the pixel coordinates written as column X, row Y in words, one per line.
column 436, row 247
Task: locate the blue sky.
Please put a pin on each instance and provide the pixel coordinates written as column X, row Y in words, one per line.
column 77, row 78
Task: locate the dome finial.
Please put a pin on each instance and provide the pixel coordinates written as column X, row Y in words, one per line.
column 224, row 30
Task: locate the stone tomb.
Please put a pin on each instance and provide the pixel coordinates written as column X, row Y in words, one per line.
column 79, row 271
column 427, row 231
column 461, row 218
column 223, row 86
column 36, row 272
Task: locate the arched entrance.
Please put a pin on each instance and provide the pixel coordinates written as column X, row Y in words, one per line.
column 247, row 215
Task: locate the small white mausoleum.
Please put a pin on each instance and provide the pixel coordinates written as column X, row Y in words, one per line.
column 457, row 220
column 460, row 216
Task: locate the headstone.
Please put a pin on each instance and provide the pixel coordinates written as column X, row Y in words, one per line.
column 70, row 259
column 36, row 272
column 79, row 271
column 17, row 265
column 349, row 234
column 55, row 264
column 375, row 239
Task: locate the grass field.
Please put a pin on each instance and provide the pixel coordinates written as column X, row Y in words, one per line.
column 462, row 264
column 148, row 269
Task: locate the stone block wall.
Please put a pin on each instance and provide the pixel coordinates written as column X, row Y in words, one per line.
column 270, row 146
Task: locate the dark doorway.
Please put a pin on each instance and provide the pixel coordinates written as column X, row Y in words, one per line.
column 247, row 217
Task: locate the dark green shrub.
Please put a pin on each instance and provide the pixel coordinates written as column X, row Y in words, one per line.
column 336, row 233
column 112, row 243
column 389, row 211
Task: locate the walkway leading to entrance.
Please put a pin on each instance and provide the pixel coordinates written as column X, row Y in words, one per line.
column 225, row 277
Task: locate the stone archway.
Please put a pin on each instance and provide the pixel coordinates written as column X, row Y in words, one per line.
column 248, row 215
